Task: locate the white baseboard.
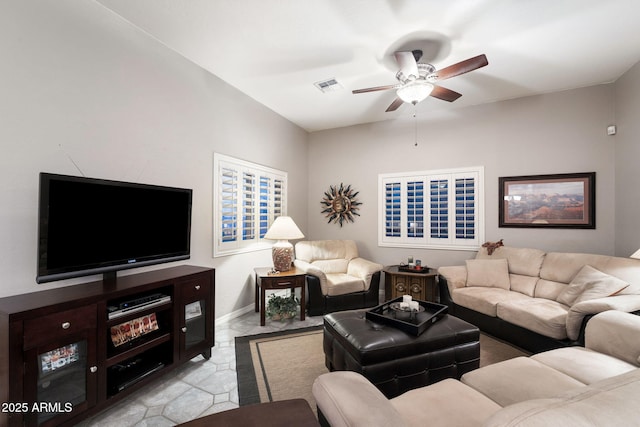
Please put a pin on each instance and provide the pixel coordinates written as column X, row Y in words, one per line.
column 235, row 314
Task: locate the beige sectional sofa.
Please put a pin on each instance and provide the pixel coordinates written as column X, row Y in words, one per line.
column 538, row 300
column 595, row 385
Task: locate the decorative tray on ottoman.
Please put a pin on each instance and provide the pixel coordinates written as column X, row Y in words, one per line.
column 407, row 269
column 413, row 322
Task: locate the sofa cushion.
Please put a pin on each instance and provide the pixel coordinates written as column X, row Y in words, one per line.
column 484, row 300
column 524, row 261
column 583, row 364
column 627, row 269
column 441, row 403
column 326, row 249
column 488, row 272
column 548, row 289
column 609, row 403
column 588, row 284
column 609, row 332
column 342, row 395
column 546, row 317
column 523, row 284
column 519, row 379
column 341, row 284
column 563, row 266
column 330, row 266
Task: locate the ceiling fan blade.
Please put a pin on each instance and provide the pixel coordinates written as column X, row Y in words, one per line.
column 377, row 88
column 444, row 94
column 394, row 105
column 460, row 68
column 407, row 63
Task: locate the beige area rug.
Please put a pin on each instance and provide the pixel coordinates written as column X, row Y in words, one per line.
column 283, row 365
column 493, row 350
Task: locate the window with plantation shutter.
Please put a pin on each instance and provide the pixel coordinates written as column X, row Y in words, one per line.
column 415, row 208
column 265, row 202
column 229, row 203
column 439, row 212
column 278, row 197
column 432, row 209
column 248, row 206
column 247, row 199
column 392, row 209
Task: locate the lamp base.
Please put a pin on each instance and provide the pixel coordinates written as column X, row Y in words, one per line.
column 282, row 254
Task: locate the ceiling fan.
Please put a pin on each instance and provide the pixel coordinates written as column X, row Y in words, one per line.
column 417, row 80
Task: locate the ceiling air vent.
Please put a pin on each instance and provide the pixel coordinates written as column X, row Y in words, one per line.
column 329, row 85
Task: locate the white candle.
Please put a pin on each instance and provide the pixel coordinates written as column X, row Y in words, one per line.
column 404, row 305
column 406, row 298
column 414, row 305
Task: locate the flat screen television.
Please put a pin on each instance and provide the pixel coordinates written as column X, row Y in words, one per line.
column 94, row 226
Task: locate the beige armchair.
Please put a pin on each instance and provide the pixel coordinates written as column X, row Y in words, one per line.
column 337, row 278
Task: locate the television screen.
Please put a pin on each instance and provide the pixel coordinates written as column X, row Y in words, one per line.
column 90, row 226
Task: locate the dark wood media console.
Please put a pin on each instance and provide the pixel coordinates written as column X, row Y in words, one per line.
column 68, row 353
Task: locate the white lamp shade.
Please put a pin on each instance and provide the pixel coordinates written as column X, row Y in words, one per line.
column 636, row 254
column 283, row 228
column 415, row 92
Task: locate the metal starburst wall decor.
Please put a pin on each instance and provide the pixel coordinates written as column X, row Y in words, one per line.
column 340, row 204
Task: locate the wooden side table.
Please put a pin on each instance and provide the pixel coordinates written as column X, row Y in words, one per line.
column 292, row 279
column 420, row 286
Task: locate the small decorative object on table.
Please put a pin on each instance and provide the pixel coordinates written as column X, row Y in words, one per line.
column 391, row 313
column 492, row 246
column 416, row 268
column 281, row 308
column 407, row 305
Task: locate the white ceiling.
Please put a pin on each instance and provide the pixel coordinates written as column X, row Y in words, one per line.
column 275, row 50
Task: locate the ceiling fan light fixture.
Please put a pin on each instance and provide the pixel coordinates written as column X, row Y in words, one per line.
column 415, row 92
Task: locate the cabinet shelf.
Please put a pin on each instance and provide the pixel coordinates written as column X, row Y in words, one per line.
column 152, row 341
column 138, row 369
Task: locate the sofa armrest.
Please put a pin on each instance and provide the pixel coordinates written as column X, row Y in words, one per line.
column 313, row 271
column 346, row 398
column 615, row 333
column 577, row 312
column 364, row 269
column 456, row 276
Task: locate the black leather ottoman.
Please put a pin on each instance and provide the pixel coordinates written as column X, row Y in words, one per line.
column 395, row 361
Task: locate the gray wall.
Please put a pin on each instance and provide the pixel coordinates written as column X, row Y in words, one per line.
column 554, row 133
column 627, row 140
column 79, row 83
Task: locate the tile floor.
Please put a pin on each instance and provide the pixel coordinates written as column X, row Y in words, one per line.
column 198, row 388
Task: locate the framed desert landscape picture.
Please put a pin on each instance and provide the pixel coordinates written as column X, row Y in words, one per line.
column 548, row 201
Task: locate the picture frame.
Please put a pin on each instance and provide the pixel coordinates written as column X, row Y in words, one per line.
column 548, row 201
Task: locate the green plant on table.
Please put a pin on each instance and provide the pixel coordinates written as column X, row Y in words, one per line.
column 280, row 308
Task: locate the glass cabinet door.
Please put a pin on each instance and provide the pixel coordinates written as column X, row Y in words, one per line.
column 196, row 318
column 60, row 379
column 195, row 323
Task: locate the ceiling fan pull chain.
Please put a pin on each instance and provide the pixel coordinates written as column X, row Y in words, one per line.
column 415, row 124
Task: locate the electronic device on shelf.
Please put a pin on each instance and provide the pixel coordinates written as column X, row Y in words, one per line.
column 128, row 373
column 137, row 304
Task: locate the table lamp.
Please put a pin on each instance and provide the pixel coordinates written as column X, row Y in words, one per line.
column 283, row 229
column 636, row 254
